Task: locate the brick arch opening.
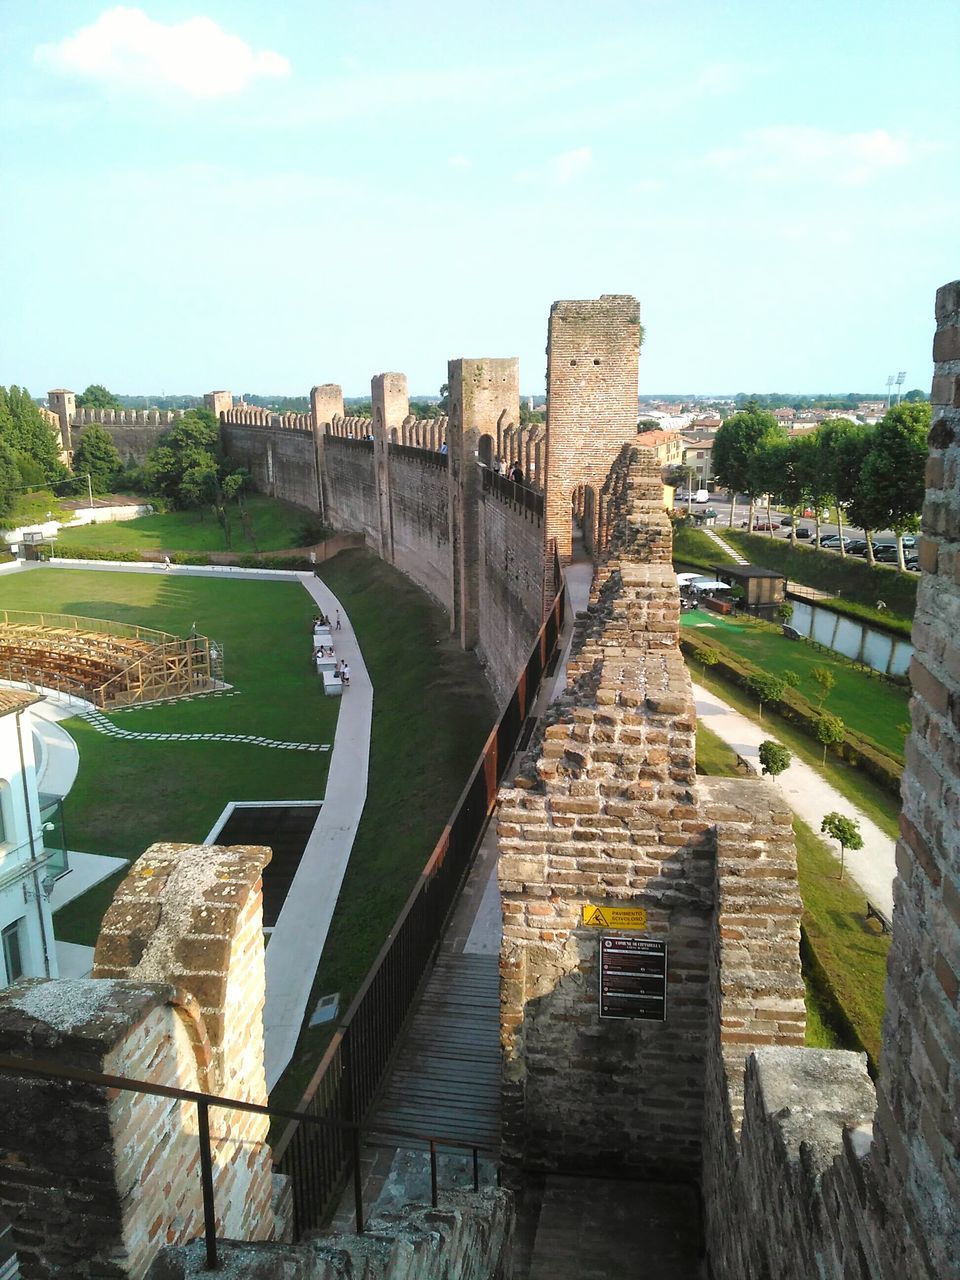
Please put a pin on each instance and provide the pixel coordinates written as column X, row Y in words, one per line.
column 485, row 450
column 584, row 514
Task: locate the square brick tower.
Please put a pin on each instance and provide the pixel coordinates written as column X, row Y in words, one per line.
column 593, row 356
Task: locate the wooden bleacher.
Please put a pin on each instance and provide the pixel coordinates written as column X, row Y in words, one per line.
column 109, row 664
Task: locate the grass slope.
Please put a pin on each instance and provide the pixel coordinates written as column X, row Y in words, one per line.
column 871, row 706
column 432, row 712
column 691, row 546
column 129, row 794
column 277, row 525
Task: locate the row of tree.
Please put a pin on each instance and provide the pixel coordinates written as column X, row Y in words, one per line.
column 873, row 476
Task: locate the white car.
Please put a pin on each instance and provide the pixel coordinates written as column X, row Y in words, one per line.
column 701, row 496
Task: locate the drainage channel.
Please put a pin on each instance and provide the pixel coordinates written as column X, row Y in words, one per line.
column 283, row 827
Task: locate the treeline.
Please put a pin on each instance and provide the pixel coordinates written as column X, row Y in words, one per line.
column 29, row 448
column 849, row 401
column 871, row 475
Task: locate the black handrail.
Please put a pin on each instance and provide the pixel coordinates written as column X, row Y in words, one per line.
column 46, row 1070
column 350, row 1073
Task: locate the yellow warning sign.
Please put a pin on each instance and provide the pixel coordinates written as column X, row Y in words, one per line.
column 614, row 917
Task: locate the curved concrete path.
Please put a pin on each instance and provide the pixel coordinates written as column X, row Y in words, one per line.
column 810, row 797
column 301, row 930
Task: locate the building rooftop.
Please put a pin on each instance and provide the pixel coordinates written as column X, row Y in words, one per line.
column 746, row 571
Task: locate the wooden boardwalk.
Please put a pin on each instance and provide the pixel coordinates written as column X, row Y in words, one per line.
column 445, row 1082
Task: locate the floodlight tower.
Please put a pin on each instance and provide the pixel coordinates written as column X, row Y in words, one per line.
column 900, row 377
column 889, row 389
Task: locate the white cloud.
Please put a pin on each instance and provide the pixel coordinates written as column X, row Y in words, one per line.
column 125, row 49
column 804, row 153
column 560, row 170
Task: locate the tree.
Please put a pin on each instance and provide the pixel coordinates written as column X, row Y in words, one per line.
column 767, row 688
column 893, row 472
column 96, row 455
column 830, row 731
column 709, row 657
column 97, row 396
column 850, row 455
column 10, row 479
column 783, row 475
column 915, row 396
column 774, row 757
column 826, row 680
column 736, row 449
column 846, row 832
column 845, row 447
column 29, row 435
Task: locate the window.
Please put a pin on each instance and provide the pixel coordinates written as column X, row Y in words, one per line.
column 12, row 952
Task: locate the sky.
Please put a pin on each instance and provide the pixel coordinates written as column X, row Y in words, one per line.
column 233, row 194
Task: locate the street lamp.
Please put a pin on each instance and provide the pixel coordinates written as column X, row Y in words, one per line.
column 889, row 389
column 900, row 377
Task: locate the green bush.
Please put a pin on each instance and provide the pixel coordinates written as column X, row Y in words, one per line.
column 68, row 552
column 848, row 576
column 795, row 709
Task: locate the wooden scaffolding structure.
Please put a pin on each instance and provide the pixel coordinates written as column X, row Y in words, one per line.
column 109, row 664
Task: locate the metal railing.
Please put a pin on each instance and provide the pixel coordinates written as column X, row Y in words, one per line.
column 350, row 1133
column 353, row 1067
column 520, row 495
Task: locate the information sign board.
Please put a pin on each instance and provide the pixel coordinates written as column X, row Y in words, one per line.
column 633, row 978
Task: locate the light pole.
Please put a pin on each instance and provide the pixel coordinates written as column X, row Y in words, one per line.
column 889, row 389
column 90, row 493
column 900, row 377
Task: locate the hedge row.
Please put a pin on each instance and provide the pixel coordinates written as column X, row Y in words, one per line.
column 848, row 576
column 66, row 552
column 795, row 709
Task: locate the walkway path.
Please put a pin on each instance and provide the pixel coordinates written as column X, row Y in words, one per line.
column 725, row 546
column 810, row 796
column 100, row 722
column 301, row 929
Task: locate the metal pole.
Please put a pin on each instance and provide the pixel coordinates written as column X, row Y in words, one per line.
column 90, row 490
column 357, row 1180
column 433, row 1172
column 476, row 1169
column 206, row 1179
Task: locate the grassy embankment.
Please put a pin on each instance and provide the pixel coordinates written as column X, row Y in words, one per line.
column 694, row 549
column 843, row 956
column 872, row 707
column 276, row 526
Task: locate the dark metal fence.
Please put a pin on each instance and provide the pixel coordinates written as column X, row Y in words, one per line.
column 350, row 1135
column 520, row 495
column 318, row 1157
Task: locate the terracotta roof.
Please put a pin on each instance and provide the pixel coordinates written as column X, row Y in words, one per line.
column 17, row 699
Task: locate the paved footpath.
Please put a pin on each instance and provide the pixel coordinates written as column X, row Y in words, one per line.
column 301, row 929
column 809, row 796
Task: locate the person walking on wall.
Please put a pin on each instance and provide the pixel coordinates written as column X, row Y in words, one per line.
column 338, row 620
column 344, row 673
column 166, row 563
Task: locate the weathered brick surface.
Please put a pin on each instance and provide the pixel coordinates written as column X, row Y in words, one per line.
column 826, row 1177
column 593, row 352
column 281, row 460
column 105, row 1180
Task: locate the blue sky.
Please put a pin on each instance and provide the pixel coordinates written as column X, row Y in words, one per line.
column 210, row 194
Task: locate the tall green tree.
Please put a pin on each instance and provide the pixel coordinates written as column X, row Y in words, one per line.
column 96, row 455
column 846, row 832
column 843, row 457
column 737, row 450
column 893, row 472
column 97, row 396
column 10, row 479
column 783, row 476
column 24, row 430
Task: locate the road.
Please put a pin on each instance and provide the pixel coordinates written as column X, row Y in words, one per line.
column 721, row 504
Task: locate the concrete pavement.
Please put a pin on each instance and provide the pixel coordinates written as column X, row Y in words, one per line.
column 810, row 797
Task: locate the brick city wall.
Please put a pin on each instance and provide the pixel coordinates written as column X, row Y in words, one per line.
column 420, row 521
column 350, row 487
column 593, row 351
column 96, row 1183
column 827, row 1177
column 134, row 440
column 281, row 460
column 511, row 589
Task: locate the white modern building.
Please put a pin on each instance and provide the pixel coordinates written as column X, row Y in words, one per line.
column 32, row 848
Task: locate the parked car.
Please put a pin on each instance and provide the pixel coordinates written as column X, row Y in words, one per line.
column 833, row 542
column 760, row 526
column 857, row 547
column 804, row 532
column 786, row 521
column 885, row 552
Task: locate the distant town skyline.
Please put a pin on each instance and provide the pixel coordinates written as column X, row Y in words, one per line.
column 224, row 194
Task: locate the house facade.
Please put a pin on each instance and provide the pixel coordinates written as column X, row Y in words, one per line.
column 31, row 848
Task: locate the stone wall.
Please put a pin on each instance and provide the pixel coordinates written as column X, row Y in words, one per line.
column 467, row 1237
column 281, row 460
column 350, row 487
column 593, row 351
column 96, row 1182
column 511, row 589
column 826, row 1177
column 605, row 813
column 420, row 520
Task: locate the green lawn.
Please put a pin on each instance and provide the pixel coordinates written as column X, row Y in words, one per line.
column 432, row 712
column 843, row 957
column 867, row 704
column 691, row 546
column 277, row 525
column 129, row 794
